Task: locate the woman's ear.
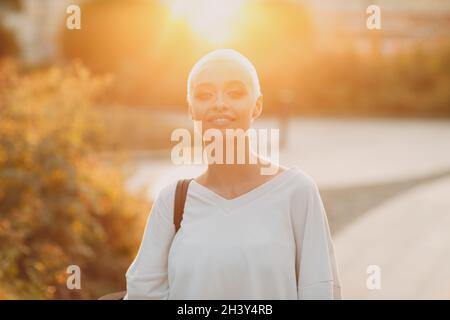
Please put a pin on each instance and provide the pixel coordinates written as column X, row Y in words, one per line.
column 258, row 107
column 190, row 110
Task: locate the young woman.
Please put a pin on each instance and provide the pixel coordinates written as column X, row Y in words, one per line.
column 244, row 235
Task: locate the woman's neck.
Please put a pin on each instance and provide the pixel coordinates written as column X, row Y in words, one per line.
column 227, row 174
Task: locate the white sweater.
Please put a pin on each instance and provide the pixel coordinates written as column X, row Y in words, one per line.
column 271, row 243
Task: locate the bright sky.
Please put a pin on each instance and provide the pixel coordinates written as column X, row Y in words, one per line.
column 212, row 20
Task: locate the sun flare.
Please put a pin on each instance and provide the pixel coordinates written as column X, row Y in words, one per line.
column 212, row 20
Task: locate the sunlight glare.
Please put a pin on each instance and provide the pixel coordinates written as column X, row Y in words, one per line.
column 213, row 20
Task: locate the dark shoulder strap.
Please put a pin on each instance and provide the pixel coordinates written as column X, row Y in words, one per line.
column 180, row 199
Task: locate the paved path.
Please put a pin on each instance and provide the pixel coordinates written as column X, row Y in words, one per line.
column 408, row 237
column 346, row 152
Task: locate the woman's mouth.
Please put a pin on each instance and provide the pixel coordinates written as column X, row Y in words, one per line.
column 220, row 120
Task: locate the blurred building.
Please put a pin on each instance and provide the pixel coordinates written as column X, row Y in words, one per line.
column 403, row 23
column 338, row 24
column 36, row 25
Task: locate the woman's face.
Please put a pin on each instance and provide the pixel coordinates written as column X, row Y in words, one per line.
column 223, row 97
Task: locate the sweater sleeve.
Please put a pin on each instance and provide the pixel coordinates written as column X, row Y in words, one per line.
column 147, row 277
column 316, row 269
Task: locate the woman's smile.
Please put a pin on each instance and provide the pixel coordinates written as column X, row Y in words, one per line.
column 221, row 120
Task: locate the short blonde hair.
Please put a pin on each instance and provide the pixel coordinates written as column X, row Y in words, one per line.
column 225, row 55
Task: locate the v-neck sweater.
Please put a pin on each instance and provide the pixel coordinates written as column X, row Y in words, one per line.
column 272, row 242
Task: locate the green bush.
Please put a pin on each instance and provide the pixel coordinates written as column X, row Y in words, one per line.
column 59, row 205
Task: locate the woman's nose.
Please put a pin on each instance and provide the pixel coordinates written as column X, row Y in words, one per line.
column 220, row 102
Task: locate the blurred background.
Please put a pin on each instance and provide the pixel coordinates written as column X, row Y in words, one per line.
column 86, row 117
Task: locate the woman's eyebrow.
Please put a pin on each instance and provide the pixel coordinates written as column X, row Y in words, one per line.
column 208, row 85
column 203, row 85
column 235, row 83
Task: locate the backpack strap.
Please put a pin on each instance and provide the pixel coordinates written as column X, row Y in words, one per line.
column 180, row 200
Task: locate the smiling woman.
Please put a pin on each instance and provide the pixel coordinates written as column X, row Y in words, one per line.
column 243, row 234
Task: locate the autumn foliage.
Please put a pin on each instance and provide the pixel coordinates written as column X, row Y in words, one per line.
column 59, row 205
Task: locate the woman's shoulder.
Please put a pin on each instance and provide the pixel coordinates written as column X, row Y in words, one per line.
column 165, row 199
column 300, row 178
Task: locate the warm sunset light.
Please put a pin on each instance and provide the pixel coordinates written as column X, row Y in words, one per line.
column 212, row 20
column 305, row 143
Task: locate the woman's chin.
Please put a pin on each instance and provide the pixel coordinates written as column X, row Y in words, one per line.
column 222, row 126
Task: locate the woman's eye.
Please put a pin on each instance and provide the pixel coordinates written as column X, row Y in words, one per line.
column 203, row 95
column 236, row 93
